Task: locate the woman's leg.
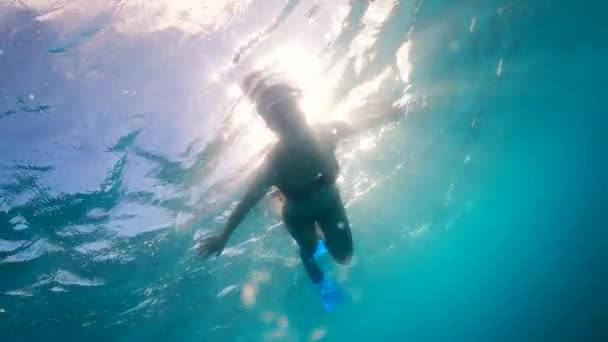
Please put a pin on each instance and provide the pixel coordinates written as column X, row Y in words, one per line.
column 304, row 234
column 337, row 232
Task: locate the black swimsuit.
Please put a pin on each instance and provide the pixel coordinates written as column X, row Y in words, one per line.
column 318, row 205
column 309, row 203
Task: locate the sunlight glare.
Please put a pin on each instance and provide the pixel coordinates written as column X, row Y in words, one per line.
column 359, row 95
column 306, row 72
column 242, row 113
column 234, row 91
column 367, row 143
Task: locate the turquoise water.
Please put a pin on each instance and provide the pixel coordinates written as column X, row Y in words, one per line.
column 478, row 217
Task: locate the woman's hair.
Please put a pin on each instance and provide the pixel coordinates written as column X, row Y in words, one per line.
column 266, row 89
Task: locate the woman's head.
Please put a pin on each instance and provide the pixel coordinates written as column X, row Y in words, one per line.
column 276, row 102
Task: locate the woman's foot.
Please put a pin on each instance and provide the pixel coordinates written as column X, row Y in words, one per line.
column 331, row 295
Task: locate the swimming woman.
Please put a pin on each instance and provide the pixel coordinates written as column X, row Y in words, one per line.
column 302, row 165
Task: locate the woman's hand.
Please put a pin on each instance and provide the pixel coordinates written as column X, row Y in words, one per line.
column 211, row 245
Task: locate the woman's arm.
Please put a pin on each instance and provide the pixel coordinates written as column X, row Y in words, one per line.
column 255, row 192
column 214, row 244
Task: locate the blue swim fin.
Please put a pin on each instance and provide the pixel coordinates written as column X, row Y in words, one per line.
column 321, row 250
column 331, row 295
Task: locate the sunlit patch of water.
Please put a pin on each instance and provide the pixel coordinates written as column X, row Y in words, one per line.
column 373, row 19
column 33, row 251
